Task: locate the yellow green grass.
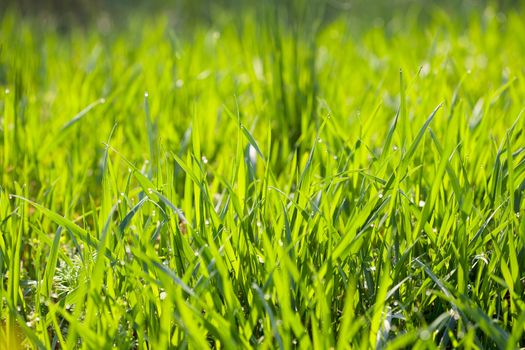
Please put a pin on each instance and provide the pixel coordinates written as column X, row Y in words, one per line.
column 257, row 181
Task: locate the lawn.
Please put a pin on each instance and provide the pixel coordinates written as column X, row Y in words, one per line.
column 279, row 176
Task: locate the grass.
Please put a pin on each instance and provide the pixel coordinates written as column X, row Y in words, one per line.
column 261, row 182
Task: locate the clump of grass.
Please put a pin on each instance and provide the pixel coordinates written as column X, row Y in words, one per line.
column 340, row 188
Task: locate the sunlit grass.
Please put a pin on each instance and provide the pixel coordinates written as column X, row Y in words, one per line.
column 256, row 183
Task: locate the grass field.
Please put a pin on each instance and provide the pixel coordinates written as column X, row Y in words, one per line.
column 273, row 180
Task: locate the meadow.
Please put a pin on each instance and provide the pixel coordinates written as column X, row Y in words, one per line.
column 293, row 177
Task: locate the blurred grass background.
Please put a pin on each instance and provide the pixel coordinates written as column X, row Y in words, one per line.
column 188, row 12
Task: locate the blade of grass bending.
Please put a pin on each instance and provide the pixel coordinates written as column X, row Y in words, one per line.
column 81, row 114
column 127, row 219
column 401, row 168
column 166, row 201
column 62, row 221
column 310, row 156
column 106, row 149
column 389, row 136
column 484, row 322
column 51, row 263
column 252, row 141
column 63, row 130
column 164, row 269
column 410, row 153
